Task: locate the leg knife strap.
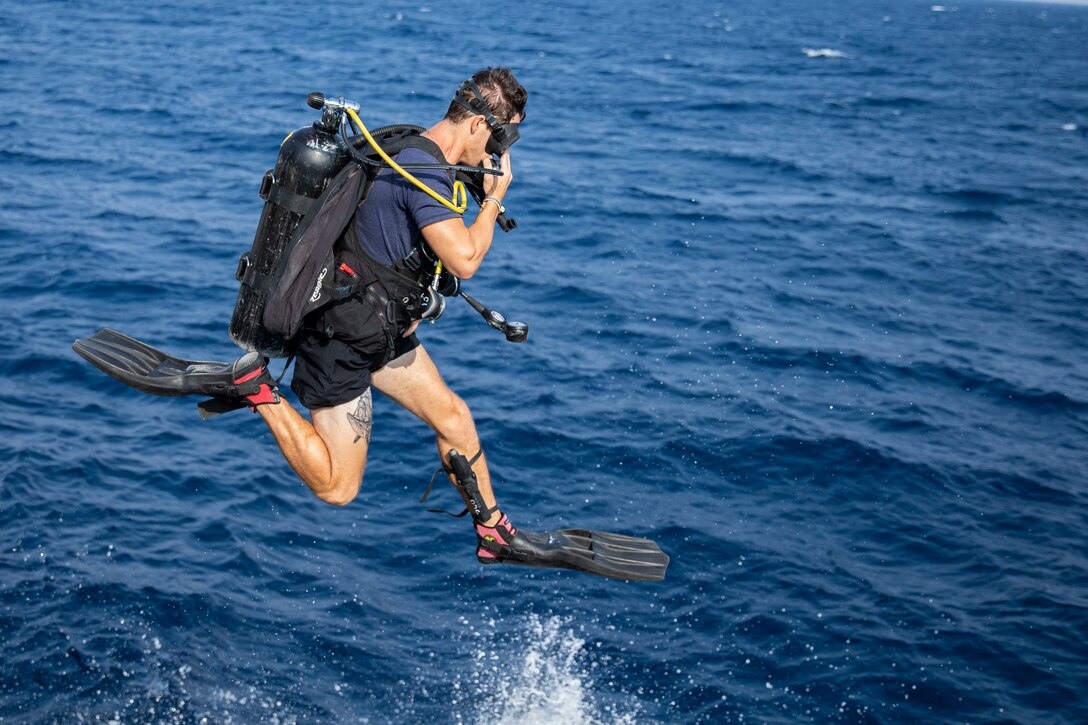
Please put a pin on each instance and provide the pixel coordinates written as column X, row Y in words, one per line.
column 466, row 483
column 442, row 468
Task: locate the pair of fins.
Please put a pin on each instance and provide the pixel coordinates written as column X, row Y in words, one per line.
column 152, row 371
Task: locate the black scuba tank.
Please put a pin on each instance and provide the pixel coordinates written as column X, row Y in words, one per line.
column 308, row 159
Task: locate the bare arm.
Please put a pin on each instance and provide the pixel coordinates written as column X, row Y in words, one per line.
column 462, row 248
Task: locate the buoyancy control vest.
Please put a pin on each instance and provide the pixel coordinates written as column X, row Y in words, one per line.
column 405, row 282
column 306, row 255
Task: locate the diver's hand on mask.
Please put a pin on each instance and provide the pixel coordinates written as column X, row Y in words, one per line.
column 497, row 185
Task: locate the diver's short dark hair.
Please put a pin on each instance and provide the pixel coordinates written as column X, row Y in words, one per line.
column 505, row 96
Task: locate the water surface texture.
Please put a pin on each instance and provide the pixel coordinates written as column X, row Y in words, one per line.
column 807, row 290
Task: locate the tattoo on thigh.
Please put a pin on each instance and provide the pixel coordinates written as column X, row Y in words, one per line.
column 362, row 420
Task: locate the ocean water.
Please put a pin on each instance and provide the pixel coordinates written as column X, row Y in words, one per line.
column 807, row 290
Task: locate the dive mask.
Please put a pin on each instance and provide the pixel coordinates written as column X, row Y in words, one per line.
column 503, row 135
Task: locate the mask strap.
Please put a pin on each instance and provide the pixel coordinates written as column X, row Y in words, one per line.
column 479, row 107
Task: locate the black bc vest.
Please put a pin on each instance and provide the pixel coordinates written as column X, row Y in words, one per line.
column 405, row 283
column 325, row 261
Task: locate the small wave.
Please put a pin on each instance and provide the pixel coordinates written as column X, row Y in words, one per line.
column 765, row 161
column 893, row 101
column 824, row 53
column 999, row 389
column 981, row 215
column 40, row 157
column 976, row 196
column 735, row 106
column 780, row 357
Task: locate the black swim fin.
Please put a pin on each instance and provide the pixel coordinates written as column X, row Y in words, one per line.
column 152, row 371
column 614, row 556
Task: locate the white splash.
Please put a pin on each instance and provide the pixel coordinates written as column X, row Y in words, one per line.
column 540, row 677
column 824, row 53
column 1069, row 127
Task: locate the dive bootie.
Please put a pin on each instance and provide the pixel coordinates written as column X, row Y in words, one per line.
column 595, row 552
column 491, row 539
column 233, row 385
column 253, row 381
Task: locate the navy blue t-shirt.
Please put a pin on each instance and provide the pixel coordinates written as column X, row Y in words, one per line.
column 395, row 210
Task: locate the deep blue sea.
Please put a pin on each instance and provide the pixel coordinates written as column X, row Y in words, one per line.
column 807, row 287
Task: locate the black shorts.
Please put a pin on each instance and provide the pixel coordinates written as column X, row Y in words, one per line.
column 333, row 370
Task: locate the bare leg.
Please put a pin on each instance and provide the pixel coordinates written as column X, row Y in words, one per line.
column 414, row 382
column 329, row 455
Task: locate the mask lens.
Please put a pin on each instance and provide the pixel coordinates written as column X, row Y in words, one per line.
column 502, row 137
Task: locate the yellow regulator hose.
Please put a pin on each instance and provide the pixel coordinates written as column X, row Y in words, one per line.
column 460, row 198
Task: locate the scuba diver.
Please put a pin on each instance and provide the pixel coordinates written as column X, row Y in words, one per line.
column 398, row 246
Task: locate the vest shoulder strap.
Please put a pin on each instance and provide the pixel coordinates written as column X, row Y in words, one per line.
column 411, row 139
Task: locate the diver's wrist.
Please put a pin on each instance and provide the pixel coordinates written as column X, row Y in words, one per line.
column 498, row 204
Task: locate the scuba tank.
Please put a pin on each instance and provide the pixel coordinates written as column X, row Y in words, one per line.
column 308, row 159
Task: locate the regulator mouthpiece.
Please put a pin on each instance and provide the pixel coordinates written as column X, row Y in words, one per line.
column 516, row 331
